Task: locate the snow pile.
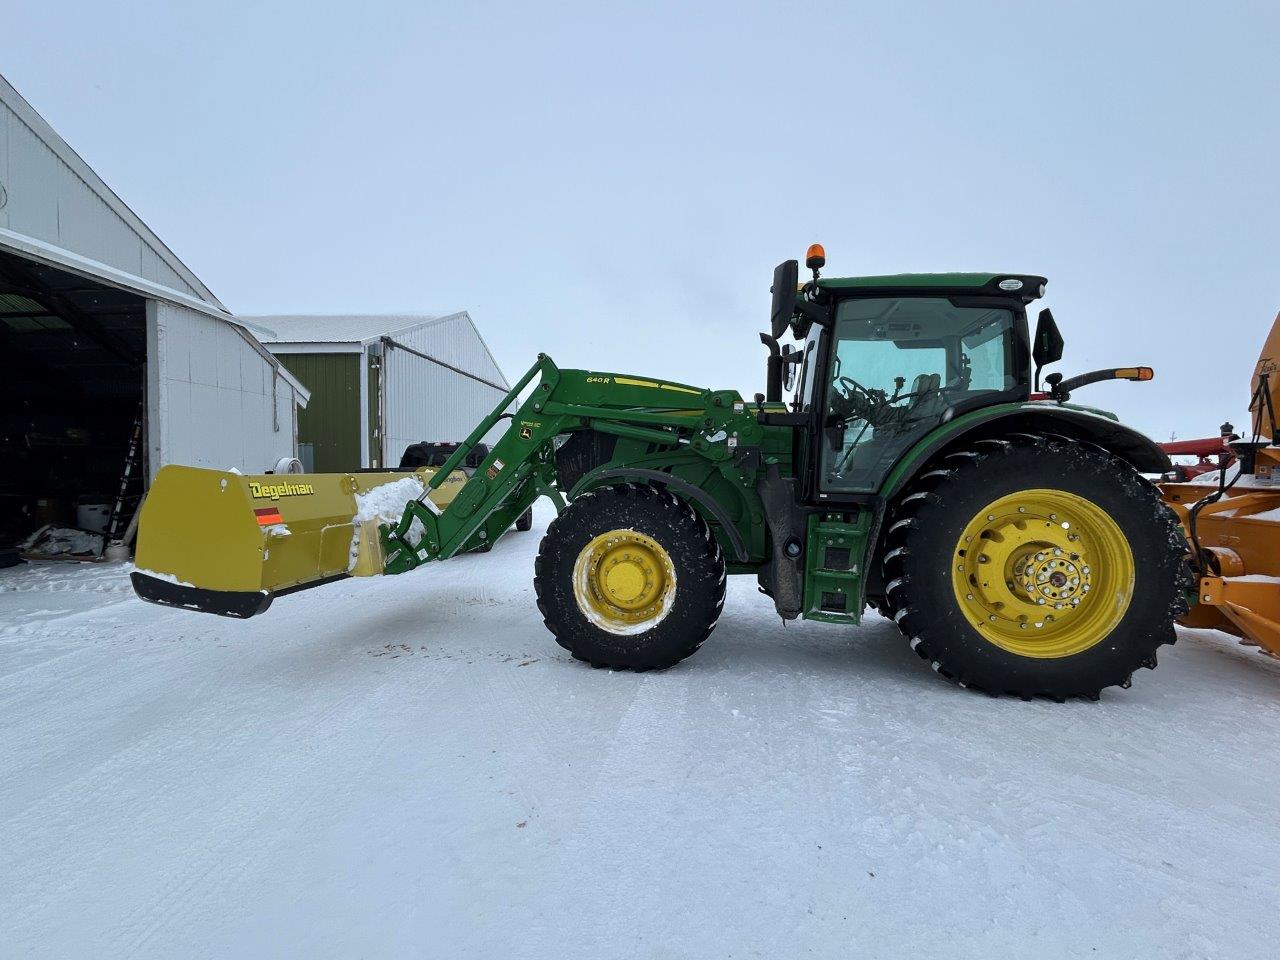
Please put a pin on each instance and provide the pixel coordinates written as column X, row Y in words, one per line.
column 51, row 541
column 276, row 530
column 1249, row 480
column 385, row 504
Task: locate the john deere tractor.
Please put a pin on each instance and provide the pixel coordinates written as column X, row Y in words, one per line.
column 902, row 457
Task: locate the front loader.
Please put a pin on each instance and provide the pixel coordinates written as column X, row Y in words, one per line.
column 915, row 467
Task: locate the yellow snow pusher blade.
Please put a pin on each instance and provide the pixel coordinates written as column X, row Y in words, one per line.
column 228, row 543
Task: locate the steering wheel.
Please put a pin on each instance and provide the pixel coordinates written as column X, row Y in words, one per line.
column 856, row 401
column 852, row 388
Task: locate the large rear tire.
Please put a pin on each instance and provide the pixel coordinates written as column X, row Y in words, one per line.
column 631, row 578
column 1034, row 566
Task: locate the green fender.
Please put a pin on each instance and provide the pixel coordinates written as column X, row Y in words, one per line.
column 1036, row 418
column 607, row 474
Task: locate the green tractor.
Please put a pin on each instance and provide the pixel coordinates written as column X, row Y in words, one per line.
column 914, row 467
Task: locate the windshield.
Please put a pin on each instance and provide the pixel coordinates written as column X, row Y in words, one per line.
column 900, row 367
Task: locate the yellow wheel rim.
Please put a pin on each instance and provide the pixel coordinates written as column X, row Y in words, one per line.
column 1043, row 573
column 624, row 581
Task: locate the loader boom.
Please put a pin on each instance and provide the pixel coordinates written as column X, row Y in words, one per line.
column 205, row 546
column 676, row 421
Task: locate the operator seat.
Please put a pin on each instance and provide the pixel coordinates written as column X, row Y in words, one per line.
column 928, row 400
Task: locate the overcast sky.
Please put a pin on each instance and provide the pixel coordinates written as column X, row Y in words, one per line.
column 613, row 183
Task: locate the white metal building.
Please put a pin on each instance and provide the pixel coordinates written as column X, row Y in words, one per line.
column 100, row 320
column 380, row 383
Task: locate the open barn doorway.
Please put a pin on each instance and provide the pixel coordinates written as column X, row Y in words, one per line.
column 72, row 377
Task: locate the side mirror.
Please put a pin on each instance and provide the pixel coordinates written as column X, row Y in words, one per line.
column 790, row 361
column 786, row 277
column 1047, row 345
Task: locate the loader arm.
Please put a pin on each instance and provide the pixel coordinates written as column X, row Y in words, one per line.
column 679, row 423
column 517, row 471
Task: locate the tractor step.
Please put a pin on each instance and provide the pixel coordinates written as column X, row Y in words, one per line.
column 833, row 586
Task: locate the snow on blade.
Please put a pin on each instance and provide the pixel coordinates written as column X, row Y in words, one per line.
column 385, row 503
column 166, row 577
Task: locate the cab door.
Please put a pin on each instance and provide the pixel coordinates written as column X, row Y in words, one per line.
column 898, row 367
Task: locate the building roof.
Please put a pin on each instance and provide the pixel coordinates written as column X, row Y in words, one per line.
column 341, row 333
column 337, row 327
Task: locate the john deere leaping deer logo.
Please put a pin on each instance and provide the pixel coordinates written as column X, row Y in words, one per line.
column 526, row 429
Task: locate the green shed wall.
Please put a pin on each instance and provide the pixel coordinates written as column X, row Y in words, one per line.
column 331, row 421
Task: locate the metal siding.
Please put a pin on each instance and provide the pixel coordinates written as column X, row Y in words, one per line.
column 32, row 186
column 331, row 421
column 5, row 116
column 154, row 268
column 50, row 201
column 213, row 395
column 425, row 401
column 372, row 366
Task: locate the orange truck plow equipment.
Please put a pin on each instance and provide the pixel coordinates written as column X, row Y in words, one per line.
column 1231, row 514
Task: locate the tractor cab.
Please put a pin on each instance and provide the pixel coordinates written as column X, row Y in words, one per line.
column 885, row 360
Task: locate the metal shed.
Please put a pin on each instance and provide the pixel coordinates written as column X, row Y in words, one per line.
column 105, row 333
column 382, row 382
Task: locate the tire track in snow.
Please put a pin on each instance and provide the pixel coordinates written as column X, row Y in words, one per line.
column 620, row 800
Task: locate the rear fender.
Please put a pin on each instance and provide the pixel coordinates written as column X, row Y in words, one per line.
column 1042, row 419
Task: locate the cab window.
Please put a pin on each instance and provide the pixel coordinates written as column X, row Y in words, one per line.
column 901, row 366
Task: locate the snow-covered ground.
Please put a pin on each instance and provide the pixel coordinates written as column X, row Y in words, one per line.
column 410, row 766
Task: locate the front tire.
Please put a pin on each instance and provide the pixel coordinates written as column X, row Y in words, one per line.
column 1034, row 566
column 630, row 578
